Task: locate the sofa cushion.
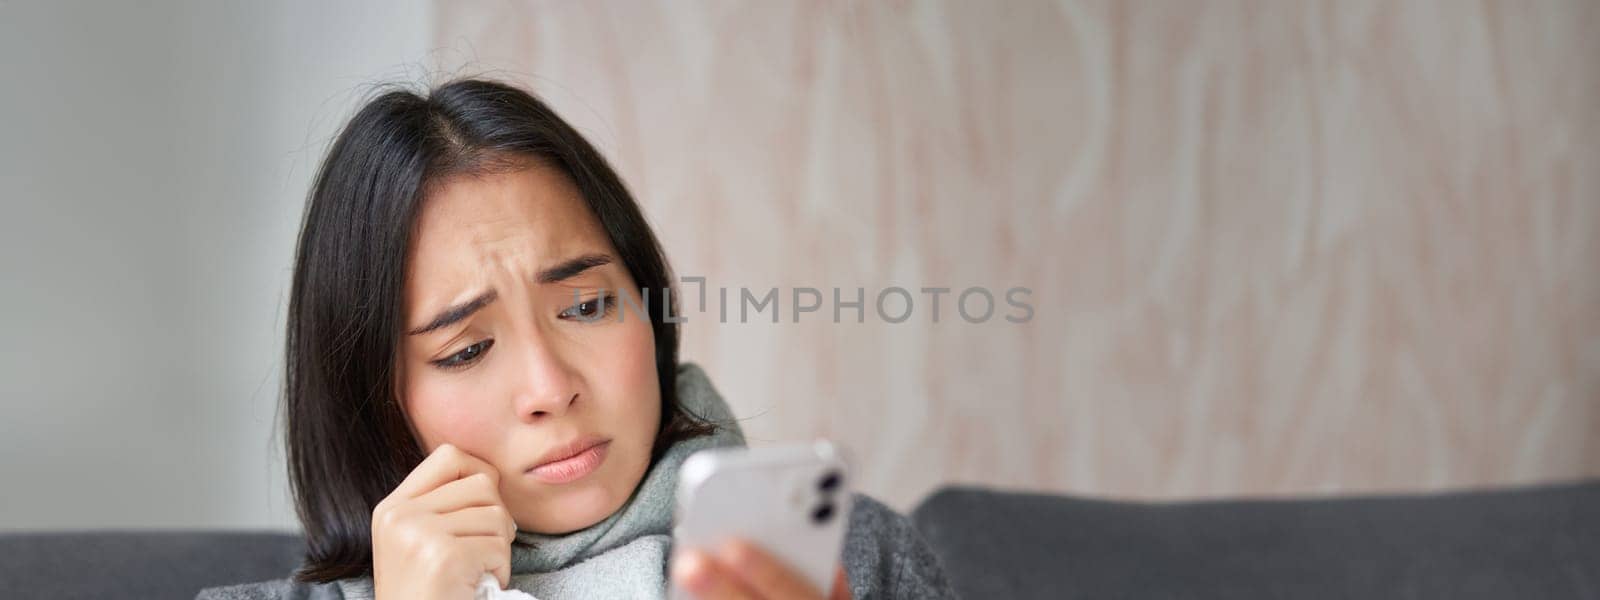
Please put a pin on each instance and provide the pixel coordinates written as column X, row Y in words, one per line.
column 140, row 564
column 1541, row 542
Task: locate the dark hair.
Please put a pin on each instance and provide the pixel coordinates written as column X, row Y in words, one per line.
column 347, row 441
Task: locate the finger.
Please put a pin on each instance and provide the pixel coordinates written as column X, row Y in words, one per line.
column 481, row 521
column 764, row 573
column 476, row 489
column 445, row 464
column 494, row 556
column 700, row 575
column 841, row 586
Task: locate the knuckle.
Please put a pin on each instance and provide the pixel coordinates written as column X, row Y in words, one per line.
column 491, row 475
column 504, row 517
column 383, row 516
column 484, row 483
column 441, row 457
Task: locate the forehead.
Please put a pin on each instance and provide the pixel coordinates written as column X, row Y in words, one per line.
column 473, row 229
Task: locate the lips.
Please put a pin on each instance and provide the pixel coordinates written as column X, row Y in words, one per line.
column 571, row 461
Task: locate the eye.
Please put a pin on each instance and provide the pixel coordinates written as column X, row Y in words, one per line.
column 465, row 357
column 589, row 310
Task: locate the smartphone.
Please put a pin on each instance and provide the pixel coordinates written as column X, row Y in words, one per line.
column 793, row 501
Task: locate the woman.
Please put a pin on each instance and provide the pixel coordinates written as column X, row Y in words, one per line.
column 482, row 377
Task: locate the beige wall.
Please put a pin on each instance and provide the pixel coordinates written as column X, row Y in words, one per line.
column 1274, row 247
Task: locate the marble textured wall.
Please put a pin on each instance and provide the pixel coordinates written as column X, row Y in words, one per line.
column 1274, row 247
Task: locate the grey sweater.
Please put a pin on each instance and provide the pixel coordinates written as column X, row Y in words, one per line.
column 884, row 557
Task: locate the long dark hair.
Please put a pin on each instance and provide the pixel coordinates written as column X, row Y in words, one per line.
column 346, row 437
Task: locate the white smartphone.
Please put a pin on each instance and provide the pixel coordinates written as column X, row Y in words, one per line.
column 793, row 501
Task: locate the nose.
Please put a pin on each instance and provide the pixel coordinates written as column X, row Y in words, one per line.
column 548, row 386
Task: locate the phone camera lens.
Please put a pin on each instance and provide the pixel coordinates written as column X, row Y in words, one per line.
column 822, row 514
column 829, row 481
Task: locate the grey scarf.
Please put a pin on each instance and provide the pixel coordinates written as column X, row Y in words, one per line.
column 625, row 555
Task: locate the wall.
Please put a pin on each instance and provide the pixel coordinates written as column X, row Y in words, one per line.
column 1274, row 248
column 154, row 165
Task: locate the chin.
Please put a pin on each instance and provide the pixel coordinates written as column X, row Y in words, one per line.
column 577, row 506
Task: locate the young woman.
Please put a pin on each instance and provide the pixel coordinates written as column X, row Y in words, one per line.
column 482, row 377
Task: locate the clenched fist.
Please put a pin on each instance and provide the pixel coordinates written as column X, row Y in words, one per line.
column 441, row 529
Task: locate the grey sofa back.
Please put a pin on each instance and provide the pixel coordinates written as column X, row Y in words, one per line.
column 1541, row 542
column 139, row 564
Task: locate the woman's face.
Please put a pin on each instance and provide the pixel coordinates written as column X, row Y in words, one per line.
column 507, row 357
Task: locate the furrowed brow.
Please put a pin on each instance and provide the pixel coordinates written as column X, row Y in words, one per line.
column 455, row 314
column 570, row 268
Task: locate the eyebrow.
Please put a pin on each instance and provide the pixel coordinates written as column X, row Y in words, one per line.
column 571, row 267
column 562, row 271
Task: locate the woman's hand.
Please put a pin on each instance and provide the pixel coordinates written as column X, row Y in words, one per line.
column 741, row 571
column 437, row 533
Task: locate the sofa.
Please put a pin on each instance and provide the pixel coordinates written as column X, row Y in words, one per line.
column 1534, row 542
column 1538, row 542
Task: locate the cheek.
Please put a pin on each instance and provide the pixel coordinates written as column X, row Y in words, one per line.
column 638, row 372
column 623, row 372
column 638, row 363
column 442, row 414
